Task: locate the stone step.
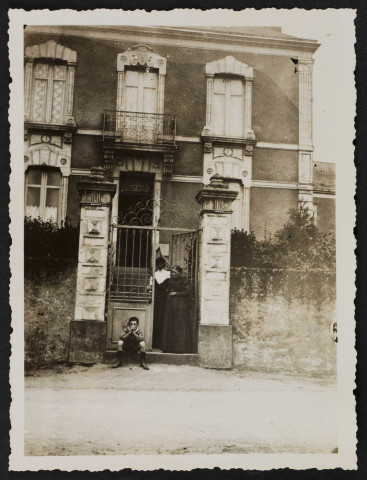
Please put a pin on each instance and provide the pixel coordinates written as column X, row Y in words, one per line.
column 156, row 357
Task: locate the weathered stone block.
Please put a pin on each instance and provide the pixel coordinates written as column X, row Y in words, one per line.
column 91, row 255
column 94, row 241
column 96, row 212
column 217, row 276
column 92, row 270
column 217, row 247
column 215, row 346
column 217, row 220
column 87, row 341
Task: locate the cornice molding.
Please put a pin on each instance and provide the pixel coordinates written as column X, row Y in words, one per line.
column 81, row 171
column 187, row 178
column 324, row 194
column 274, row 184
column 266, row 44
column 188, row 139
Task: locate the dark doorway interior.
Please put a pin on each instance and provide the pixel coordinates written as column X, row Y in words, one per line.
column 134, row 247
column 136, row 189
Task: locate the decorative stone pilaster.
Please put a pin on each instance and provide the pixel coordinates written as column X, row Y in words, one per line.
column 305, row 103
column 70, row 93
column 305, row 180
column 215, row 332
column 305, row 154
column 88, row 329
column 109, row 162
column 28, row 75
column 168, row 165
column 249, row 133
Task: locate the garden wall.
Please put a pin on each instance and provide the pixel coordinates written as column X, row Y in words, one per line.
column 281, row 320
column 49, row 301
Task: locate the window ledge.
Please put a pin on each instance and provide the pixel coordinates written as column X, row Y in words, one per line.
column 51, row 127
column 229, row 140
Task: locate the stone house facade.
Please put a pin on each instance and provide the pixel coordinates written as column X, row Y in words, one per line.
column 197, row 131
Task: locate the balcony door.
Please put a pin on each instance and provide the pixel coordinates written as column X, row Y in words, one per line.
column 140, row 122
column 141, row 91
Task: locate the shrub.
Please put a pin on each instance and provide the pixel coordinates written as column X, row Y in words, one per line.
column 45, row 240
column 297, row 245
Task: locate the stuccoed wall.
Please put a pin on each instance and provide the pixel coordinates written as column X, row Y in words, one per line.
column 325, row 213
column 275, row 165
column 269, row 209
column 180, row 198
column 188, row 159
column 324, row 176
column 87, row 151
column 73, row 207
column 275, row 86
column 281, row 321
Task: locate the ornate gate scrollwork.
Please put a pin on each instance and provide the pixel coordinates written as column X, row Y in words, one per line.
column 158, row 212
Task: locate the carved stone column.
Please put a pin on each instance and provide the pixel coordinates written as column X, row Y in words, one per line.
column 215, row 332
column 88, row 329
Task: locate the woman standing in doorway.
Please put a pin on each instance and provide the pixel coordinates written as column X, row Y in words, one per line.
column 178, row 328
column 160, row 278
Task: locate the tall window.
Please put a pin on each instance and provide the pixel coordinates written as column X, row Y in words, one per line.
column 139, row 122
column 141, row 91
column 49, row 90
column 228, row 107
column 229, row 99
column 43, row 193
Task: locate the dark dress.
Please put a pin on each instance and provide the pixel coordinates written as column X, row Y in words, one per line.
column 178, row 321
column 160, row 296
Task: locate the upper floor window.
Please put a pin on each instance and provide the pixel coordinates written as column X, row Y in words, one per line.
column 48, row 93
column 141, row 91
column 42, row 195
column 140, row 97
column 229, row 99
column 49, row 83
column 228, row 106
column 140, row 80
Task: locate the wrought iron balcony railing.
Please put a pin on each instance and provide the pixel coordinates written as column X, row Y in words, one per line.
column 138, row 127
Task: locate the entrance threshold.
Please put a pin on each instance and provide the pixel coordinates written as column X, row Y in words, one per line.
column 160, row 357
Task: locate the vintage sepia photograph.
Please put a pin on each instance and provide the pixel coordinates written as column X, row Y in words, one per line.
column 180, row 240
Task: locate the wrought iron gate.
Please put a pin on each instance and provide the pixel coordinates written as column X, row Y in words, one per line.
column 134, row 248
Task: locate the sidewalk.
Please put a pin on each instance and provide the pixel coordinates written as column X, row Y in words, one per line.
column 175, row 410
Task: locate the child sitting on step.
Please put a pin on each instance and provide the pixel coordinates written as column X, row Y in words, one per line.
column 131, row 340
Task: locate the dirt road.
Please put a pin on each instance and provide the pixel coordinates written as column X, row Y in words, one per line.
column 176, row 410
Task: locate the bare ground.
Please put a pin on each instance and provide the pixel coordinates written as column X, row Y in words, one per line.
column 176, row 410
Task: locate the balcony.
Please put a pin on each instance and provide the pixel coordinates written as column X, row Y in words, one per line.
column 139, row 128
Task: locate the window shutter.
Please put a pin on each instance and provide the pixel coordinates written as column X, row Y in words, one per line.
column 58, row 93
column 40, row 92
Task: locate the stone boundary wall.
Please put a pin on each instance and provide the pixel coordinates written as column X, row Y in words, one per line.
column 49, row 302
column 281, row 321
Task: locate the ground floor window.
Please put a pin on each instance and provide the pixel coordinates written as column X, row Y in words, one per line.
column 42, row 195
